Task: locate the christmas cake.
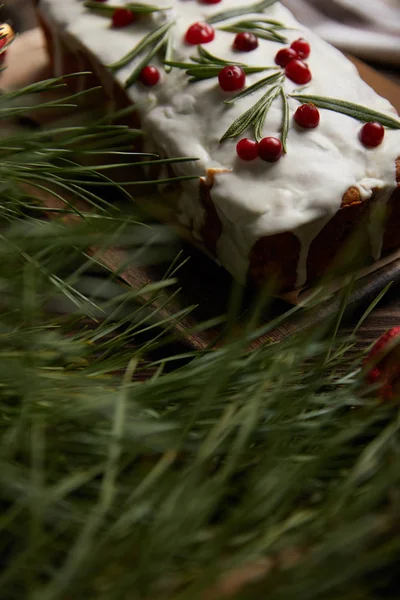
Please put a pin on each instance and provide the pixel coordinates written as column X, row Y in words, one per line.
column 294, row 151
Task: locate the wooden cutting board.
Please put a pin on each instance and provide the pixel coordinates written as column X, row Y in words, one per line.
column 201, row 281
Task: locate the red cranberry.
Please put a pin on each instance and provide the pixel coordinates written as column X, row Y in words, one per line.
column 122, row 17
column 149, row 76
column 302, row 47
column 210, row 1
column 270, row 149
column 298, row 71
column 247, row 149
column 245, row 42
column 307, row 116
column 284, row 56
column 382, row 365
column 200, row 33
column 232, row 78
column 372, row 134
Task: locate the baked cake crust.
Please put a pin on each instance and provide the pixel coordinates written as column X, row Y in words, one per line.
column 289, row 220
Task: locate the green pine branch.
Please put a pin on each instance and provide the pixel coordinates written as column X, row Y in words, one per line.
column 126, row 472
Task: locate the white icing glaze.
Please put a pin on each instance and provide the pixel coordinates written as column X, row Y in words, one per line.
column 304, row 189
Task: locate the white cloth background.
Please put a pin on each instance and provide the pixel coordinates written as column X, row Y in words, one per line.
column 369, row 29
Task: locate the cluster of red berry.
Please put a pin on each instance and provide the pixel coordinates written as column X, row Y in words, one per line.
column 292, row 60
column 269, row 149
column 233, row 78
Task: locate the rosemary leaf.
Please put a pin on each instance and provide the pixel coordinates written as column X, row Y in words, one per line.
column 207, row 57
column 285, row 124
column 263, row 33
column 169, row 50
column 251, row 116
column 273, row 22
column 255, row 87
column 241, row 123
column 198, row 72
column 361, row 113
column 259, row 121
column 147, row 41
column 243, row 10
column 209, row 72
column 179, row 65
column 136, row 7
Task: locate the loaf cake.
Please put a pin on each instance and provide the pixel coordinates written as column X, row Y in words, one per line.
column 294, row 151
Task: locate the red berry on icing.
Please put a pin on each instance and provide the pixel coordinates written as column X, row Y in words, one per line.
column 200, row 33
column 302, row 47
column 231, row 78
column 122, row 17
column 284, row 56
column 149, row 76
column 372, row 134
column 270, row 149
column 247, row 149
column 245, row 42
column 210, row 1
column 298, row 71
column 307, row 116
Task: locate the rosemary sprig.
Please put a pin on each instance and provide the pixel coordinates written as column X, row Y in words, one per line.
column 254, row 116
column 144, row 43
column 207, row 66
column 265, row 34
column 161, row 44
column 154, row 41
column 276, row 77
column 257, row 114
column 242, row 10
column 136, row 7
column 206, row 57
column 356, row 111
column 262, row 115
column 262, row 29
column 198, row 72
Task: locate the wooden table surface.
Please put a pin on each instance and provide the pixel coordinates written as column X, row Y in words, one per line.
column 29, row 59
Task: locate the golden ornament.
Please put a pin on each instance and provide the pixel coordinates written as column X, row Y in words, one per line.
column 7, row 32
